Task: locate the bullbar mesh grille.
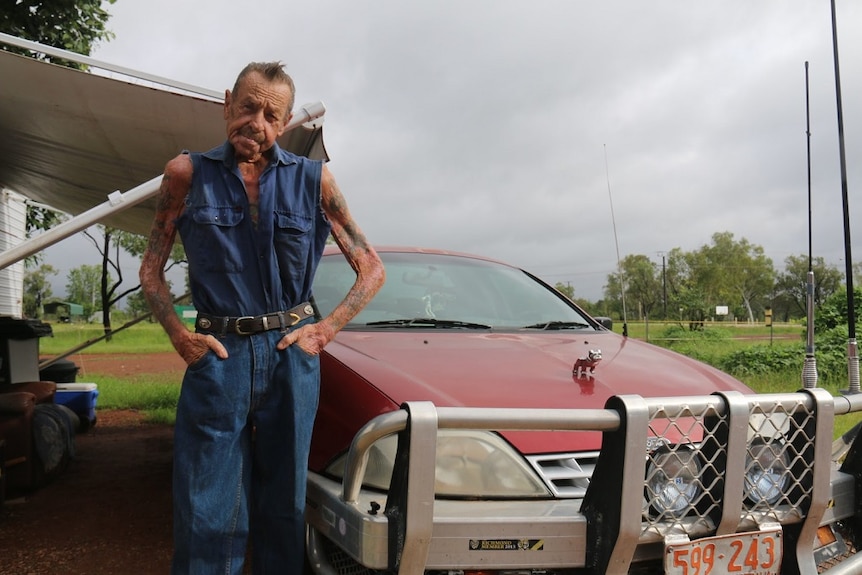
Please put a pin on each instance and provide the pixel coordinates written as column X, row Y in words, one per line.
column 685, row 477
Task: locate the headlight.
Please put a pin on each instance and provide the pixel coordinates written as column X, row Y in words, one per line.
column 672, row 484
column 475, row 464
column 766, row 475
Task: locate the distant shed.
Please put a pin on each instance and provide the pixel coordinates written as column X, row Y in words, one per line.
column 63, row 310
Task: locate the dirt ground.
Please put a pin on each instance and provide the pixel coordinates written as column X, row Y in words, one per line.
column 109, row 512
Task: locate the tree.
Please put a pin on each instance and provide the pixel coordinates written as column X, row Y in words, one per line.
column 135, row 245
column 107, row 286
column 833, row 312
column 83, row 286
column 40, row 218
column 37, row 289
column 567, row 290
column 75, row 26
column 136, row 304
column 726, row 272
column 614, row 292
column 642, row 280
column 685, row 295
column 857, row 273
column 791, row 286
column 735, row 273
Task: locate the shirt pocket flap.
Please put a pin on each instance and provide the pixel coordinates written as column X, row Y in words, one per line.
column 292, row 223
column 218, row 216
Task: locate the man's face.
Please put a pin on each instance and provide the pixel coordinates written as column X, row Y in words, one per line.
column 255, row 115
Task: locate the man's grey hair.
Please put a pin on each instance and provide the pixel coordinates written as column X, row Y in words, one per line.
column 272, row 71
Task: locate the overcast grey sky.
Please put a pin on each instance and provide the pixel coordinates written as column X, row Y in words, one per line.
column 505, row 128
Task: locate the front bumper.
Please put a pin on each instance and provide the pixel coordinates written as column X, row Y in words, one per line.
column 465, row 534
column 611, row 529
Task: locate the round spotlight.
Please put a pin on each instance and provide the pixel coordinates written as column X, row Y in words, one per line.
column 766, row 472
column 672, row 480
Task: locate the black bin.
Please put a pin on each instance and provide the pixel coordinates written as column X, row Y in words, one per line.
column 61, row 371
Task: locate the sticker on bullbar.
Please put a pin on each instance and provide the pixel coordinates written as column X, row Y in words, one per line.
column 507, row 544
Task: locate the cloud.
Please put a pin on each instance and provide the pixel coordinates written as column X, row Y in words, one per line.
column 499, row 127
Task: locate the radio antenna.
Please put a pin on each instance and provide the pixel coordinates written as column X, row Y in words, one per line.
column 617, row 243
column 852, row 349
column 809, row 366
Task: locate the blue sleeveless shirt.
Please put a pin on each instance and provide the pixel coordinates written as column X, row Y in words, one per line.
column 235, row 267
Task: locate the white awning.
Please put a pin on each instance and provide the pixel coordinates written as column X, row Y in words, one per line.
column 71, row 138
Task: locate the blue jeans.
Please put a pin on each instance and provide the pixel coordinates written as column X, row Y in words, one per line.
column 241, row 444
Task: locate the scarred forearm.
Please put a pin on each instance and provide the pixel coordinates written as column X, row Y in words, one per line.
column 160, row 300
column 174, row 187
column 361, row 256
column 370, row 274
column 162, row 235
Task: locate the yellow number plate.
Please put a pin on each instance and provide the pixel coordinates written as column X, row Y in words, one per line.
column 754, row 553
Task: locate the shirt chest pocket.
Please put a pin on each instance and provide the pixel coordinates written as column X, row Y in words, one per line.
column 218, row 245
column 292, row 235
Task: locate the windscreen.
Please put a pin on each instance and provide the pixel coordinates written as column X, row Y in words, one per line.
column 451, row 291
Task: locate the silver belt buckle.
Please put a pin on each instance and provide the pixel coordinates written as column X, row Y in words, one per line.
column 236, row 327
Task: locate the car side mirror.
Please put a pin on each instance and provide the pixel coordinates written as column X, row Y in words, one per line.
column 605, row 322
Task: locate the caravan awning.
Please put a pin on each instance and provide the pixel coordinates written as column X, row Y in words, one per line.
column 70, row 138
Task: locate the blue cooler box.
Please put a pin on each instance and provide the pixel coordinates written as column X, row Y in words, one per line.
column 80, row 398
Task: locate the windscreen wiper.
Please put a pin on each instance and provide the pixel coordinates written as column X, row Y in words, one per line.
column 549, row 325
column 429, row 322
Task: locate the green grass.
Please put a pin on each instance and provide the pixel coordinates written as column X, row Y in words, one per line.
column 153, row 395
column 143, row 337
column 654, row 331
column 156, row 396
column 718, row 340
column 784, row 382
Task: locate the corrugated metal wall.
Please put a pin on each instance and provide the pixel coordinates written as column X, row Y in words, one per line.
column 13, row 224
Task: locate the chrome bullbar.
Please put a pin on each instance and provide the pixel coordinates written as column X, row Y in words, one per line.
column 738, row 463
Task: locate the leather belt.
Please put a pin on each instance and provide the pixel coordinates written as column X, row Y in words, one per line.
column 252, row 324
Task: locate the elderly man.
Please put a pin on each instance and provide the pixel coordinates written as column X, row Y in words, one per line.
column 253, row 219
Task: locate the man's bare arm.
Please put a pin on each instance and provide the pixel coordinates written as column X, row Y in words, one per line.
column 370, row 274
column 174, row 187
